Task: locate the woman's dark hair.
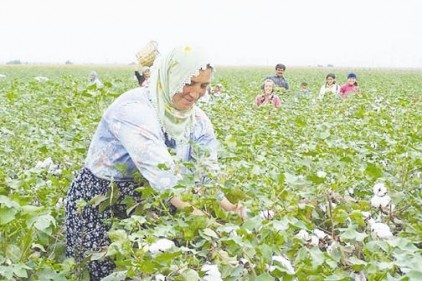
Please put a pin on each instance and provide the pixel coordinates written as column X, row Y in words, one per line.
column 332, row 75
column 140, row 78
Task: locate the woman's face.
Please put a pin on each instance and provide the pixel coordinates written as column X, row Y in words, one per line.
column 147, row 74
column 351, row 80
column 193, row 91
column 330, row 80
column 268, row 88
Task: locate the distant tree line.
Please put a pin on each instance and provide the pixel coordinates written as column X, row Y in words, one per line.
column 19, row 62
column 14, row 62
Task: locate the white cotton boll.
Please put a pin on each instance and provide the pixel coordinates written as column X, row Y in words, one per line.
column 385, row 163
column 366, row 215
column 267, row 214
column 212, row 273
column 374, row 144
column 332, row 247
column 379, row 189
column 159, row 277
column 46, row 164
column 382, row 202
column 243, row 261
column 56, row 172
column 320, row 234
column 314, row 240
column 325, row 207
column 376, row 201
column 321, row 174
column 380, row 229
column 284, row 263
column 161, row 245
column 349, row 195
column 59, row 203
column 386, row 201
column 41, row 78
column 303, row 234
column 39, row 165
column 2, row 75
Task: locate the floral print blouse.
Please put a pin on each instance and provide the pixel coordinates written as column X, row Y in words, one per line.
column 129, row 138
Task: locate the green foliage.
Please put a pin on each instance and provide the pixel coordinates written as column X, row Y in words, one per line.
column 300, row 161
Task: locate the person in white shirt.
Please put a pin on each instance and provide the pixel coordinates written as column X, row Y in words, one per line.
column 330, row 86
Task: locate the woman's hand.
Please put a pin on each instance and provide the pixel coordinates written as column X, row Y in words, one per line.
column 241, row 211
column 180, row 204
column 198, row 212
column 238, row 209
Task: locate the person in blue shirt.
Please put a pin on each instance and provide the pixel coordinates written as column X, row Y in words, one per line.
column 303, row 91
column 278, row 78
column 142, row 131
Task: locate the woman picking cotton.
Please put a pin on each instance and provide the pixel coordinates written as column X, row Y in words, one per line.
column 137, row 135
column 143, row 76
column 268, row 97
column 330, row 86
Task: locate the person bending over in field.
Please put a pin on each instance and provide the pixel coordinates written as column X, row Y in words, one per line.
column 94, row 79
column 268, row 97
column 136, row 137
column 143, row 76
column 350, row 87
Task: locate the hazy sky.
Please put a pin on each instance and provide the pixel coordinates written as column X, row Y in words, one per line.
column 369, row 33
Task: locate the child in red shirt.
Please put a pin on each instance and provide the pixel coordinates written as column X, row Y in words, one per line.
column 350, row 87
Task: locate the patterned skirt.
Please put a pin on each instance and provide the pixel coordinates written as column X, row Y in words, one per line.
column 86, row 228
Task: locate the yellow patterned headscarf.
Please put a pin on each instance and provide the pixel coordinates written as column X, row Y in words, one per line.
column 168, row 76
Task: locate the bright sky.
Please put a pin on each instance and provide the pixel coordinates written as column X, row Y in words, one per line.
column 367, row 33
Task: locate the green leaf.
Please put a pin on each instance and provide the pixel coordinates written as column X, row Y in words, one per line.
column 43, row 223
column 265, row 277
column 116, row 276
column 190, row 274
column 350, row 233
column 7, row 215
column 9, row 203
column 20, row 270
column 317, row 257
column 373, row 171
column 210, row 232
